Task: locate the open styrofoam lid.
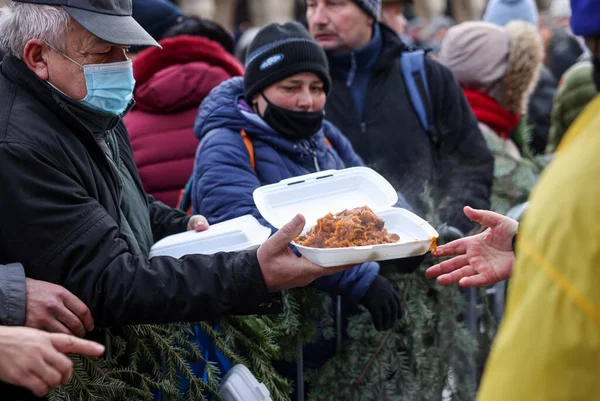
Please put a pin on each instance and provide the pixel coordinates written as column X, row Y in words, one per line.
column 229, row 236
column 315, row 195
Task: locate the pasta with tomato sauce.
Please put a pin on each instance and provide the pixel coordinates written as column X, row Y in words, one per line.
column 355, row 227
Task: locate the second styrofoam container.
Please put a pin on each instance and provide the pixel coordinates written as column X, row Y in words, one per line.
column 233, row 235
column 240, row 385
column 315, row 195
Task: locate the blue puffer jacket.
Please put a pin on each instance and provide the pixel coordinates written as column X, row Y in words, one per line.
column 224, row 180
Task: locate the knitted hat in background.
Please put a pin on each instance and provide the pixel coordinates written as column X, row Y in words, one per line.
column 156, row 17
column 501, row 12
column 371, row 7
column 585, row 17
column 477, row 54
column 560, row 9
column 280, row 51
column 495, row 60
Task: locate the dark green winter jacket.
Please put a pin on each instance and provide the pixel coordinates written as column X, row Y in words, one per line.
column 575, row 92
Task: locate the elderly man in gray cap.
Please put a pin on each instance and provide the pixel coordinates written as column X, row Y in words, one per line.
column 73, row 210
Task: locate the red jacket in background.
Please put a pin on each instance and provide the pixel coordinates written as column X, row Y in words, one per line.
column 170, row 85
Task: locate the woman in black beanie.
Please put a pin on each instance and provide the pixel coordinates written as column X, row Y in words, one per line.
column 267, row 127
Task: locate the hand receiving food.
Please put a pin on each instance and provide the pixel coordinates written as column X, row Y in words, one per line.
column 479, row 260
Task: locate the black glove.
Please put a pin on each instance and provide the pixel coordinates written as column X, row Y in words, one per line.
column 403, row 266
column 383, row 304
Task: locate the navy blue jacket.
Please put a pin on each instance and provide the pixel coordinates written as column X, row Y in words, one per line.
column 224, row 179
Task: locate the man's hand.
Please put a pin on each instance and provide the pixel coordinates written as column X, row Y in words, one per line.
column 51, row 307
column 482, row 259
column 35, row 359
column 197, row 223
column 281, row 268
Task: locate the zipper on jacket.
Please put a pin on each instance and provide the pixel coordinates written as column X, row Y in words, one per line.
column 352, row 71
column 311, row 146
column 363, row 127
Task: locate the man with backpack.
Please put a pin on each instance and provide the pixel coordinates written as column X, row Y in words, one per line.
column 403, row 112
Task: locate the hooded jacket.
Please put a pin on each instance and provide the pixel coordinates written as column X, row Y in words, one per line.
column 171, row 84
column 224, row 179
column 457, row 170
column 498, row 100
column 575, row 92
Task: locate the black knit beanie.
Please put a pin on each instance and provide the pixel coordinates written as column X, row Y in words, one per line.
column 280, row 51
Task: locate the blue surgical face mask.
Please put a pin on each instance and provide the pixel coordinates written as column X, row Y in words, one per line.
column 109, row 86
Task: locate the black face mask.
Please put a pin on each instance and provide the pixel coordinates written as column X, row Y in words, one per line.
column 294, row 125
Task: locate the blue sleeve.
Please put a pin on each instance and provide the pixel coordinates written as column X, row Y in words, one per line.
column 352, row 284
column 342, row 146
column 224, row 180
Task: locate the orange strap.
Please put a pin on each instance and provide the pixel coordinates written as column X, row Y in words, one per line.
column 180, row 198
column 250, row 147
column 180, row 201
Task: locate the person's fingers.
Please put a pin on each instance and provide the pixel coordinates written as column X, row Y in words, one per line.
column 272, row 255
column 313, row 271
column 74, row 345
column 70, row 321
column 48, row 374
column 282, row 238
column 456, row 247
column 324, row 271
column 478, row 280
column 386, row 314
column 199, row 223
column 81, row 311
column 36, row 385
column 399, row 303
column 55, row 326
column 447, row 266
column 393, row 312
column 376, row 318
column 483, row 217
column 455, row 276
column 60, row 362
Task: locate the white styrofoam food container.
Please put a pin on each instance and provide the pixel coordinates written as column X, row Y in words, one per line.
column 315, row 195
column 233, row 235
column 239, row 384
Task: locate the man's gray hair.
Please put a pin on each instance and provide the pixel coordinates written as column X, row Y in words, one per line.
column 22, row 22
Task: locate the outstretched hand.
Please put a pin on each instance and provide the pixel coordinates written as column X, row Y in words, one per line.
column 480, row 260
